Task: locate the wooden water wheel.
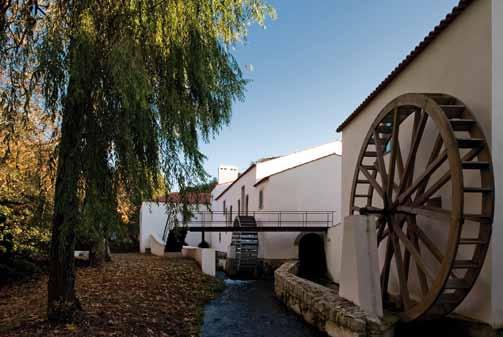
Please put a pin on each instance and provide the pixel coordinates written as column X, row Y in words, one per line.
column 425, row 172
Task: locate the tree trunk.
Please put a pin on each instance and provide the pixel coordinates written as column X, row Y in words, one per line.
column 108, row 253
column 97, row 253
column 62, row 301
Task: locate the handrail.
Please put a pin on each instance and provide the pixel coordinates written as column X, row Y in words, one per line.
column 277, row 218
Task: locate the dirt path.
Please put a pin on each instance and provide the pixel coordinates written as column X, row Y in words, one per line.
column 135, row 295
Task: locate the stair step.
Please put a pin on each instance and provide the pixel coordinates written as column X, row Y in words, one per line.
column 472, row 241
column 478, row 189
column 361, row 196
column 465, row 264
column 369, row 167
column 363, row 182
column 370, row 154
column 453, row 111
column 470, row 143
column 461, row 124
column 457, row 284
column 475, row 165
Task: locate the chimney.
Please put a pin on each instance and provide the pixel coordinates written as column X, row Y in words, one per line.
column 227, row 174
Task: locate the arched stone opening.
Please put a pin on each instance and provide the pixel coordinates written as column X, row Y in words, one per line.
column 312, row 260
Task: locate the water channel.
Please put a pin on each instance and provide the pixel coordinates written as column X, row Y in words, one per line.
column 249, row 309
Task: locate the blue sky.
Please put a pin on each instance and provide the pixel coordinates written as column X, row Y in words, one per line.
column 312, row 67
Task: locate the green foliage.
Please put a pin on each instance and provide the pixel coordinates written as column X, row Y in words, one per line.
column 133, row 85
column 205, row 186
column 26, row 186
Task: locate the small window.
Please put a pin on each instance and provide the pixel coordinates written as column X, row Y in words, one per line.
column 224, row 207
column 219, row 236
column 239, row 207
column 261, row 199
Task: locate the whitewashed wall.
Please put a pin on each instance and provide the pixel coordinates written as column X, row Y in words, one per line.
column 458, row 62
column 153, row 218
column 221, row 241
column 333, row 252
column 273, row 166
column 496, row 253
column 314, row 186
column 152, row 222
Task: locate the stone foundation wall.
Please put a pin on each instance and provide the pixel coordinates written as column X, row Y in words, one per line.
column 323, row 307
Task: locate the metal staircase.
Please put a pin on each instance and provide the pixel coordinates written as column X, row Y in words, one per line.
column 244, row 249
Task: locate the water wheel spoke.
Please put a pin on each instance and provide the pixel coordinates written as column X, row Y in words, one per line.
column 372, row 181
column 399, row 161
column 424, row 176
column 435, row 251
column 386, row 268
column 422, row 198
column 382, row 235
column 381, row 167
column 404, row 291
column 422, row 277
column 413, row 251
column 406, row 259
column 417, row 135
column 383, row 231
column 434, row 153
column 429, row 212
column 394, row 149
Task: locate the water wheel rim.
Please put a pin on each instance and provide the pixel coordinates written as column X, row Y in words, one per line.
column 437, row 115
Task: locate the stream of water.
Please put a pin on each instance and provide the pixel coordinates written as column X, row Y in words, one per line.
column 249, row 309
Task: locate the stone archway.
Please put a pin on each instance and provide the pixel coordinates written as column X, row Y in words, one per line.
column 312, row 260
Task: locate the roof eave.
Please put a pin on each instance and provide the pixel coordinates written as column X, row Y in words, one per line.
column 451, row 17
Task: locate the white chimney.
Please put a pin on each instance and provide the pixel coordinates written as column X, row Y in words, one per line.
column 227, row 174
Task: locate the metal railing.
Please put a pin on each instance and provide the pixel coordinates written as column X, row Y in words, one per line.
column 267, row 218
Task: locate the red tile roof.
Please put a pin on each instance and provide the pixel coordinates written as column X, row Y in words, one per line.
column 451, row 17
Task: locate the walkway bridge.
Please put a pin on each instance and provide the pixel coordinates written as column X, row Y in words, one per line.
column 243, row 253
column 266, row 221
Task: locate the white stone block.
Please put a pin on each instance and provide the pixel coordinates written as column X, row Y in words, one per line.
column 156, row 246
column 360, row 277
column 333, row 251
column 205, row 257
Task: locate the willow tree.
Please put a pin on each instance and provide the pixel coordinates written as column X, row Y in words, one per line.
column 135, row 85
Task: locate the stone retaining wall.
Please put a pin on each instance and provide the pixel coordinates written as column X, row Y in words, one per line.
column 324, row 308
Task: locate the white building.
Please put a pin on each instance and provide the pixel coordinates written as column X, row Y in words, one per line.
column 302, row 188
column 461, row 60
column 305, row 181
column 154, row 216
